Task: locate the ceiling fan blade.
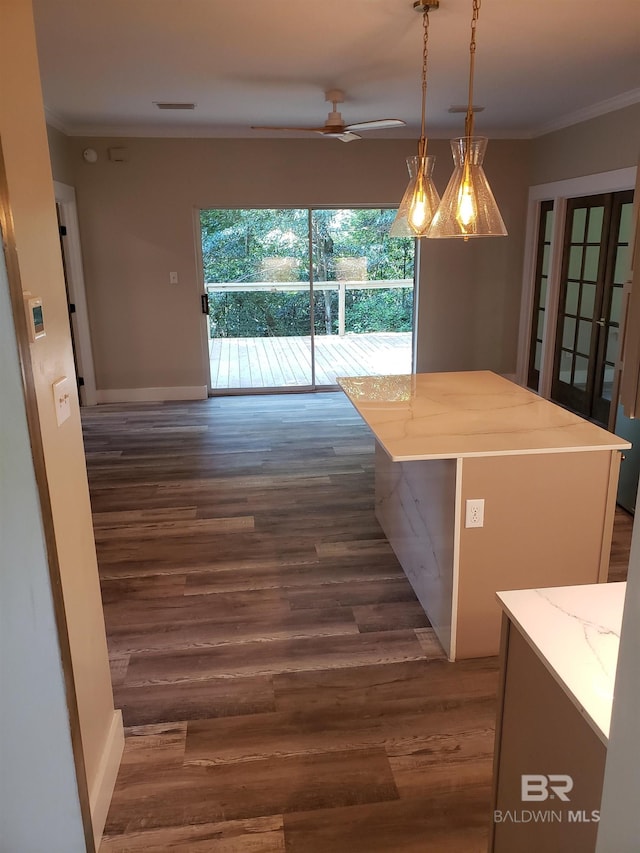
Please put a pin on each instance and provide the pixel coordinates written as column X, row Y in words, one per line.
column 301, row 129
column 376, row 124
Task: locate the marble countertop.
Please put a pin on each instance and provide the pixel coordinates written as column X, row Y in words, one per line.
column 475, row 413
column 575, row 631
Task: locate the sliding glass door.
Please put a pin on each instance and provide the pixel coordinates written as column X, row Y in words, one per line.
column 299, row 297
column 256, row 271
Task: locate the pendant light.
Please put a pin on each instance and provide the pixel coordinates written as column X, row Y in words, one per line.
column 420, row 199
column 468, row 208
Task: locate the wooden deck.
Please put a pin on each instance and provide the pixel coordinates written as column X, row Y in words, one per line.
column 286, row 362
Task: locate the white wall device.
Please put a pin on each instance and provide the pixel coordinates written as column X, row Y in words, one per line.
column 35, row 317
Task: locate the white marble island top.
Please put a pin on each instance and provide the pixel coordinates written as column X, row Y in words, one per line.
column 575, row 631
column 475, row 413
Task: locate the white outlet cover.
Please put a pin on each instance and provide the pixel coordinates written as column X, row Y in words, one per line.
column 61, row 399
column 474, row 513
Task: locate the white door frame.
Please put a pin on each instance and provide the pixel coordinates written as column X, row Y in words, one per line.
column 558, row 192
column 66, row 199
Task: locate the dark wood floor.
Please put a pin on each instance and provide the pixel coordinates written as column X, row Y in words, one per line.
column 281, row 687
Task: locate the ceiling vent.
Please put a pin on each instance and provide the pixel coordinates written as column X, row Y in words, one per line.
column 174, row 105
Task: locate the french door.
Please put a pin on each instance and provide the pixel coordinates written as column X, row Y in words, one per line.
column 594, row 267
column 543, row 256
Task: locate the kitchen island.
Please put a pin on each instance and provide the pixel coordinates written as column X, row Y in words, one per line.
column 547, row 478
column 558, row 667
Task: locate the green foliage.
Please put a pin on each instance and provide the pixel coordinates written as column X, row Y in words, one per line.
column 273, row 246
column 379, row 310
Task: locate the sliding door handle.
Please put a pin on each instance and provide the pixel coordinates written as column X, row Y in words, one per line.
column 204, row 303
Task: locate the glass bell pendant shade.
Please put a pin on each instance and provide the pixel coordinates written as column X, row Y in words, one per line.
column 468, row 208
column 420, row 200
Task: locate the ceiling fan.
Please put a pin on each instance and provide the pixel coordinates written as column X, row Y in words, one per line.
column 335, row 125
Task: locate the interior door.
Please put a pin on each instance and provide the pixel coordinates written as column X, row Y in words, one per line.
column 595, row 245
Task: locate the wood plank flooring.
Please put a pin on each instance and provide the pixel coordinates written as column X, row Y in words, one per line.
column 281, row 688
column 286, row 361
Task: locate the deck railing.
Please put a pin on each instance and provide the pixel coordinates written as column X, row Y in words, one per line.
column 300, row 286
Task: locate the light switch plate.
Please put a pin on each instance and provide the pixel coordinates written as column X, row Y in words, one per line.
column 61, row 399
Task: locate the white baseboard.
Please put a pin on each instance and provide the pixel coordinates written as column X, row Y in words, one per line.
column 152, row 395
column 102, row 789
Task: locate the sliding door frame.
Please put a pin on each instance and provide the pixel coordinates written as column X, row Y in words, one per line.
column 298, row 389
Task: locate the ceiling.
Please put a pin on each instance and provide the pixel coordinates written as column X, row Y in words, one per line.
column 539, row 65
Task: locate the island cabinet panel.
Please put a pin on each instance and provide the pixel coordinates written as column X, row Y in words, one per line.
column 416, row 508
column 541, row 733
column 547, row 522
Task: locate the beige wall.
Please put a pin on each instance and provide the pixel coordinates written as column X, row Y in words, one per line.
column 137, row 225
column 609, row 142
column 24, row 143
column 61, row 156
column 470, row 291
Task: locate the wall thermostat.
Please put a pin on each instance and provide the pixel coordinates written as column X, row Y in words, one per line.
column 90, row 155
column 35, row 317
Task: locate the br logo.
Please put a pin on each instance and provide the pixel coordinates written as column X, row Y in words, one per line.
column 536, row 787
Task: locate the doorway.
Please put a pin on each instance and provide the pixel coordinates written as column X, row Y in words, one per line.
column 296, row 298
column 65, row 197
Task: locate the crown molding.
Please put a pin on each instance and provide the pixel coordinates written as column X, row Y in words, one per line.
column 619, row 102
column 54, row 120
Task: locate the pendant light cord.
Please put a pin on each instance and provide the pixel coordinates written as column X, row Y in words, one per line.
column 422, row 145
column 468, row 122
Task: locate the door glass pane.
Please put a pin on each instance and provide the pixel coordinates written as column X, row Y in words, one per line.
column 569, row 333
column 545, row 260
column 622, row 265
column 577, row 230
column 548, row 226
column 626, row 213
column 591, row 258
column 538, row 356
column 366, row 279
column 584, row 337
column 581, row 375
column 575, row 262
column 587, row 303
column 540, row 324
column 607, row 382
column 596, row 216
column 543, row 292
column 566, row 362
column 573, row 292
